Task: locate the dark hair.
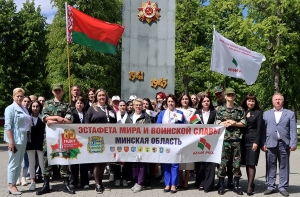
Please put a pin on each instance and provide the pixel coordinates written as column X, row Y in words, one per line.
column 190, row 104
column 149, row 103
column 40, row 105
column 211, row 107
column 80, row 98
column 164, row 102
column 27, row 98
column 173, row 97
column 128, row 102
column 244, row 102
column 90, row 90
column 123, row 101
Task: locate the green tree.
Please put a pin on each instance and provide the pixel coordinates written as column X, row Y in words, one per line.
column 22, row 49
column 88, row 68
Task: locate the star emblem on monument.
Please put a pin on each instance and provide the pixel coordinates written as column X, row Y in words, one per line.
column 149, row 12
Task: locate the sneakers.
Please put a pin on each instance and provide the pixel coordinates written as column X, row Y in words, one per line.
column 24, row 182
column 134, row 187
column 18, row 182
column 137, row 188
column 111, row 178
column 124, row 183
column 117, row 183
column 86, row 187
column 32, row 186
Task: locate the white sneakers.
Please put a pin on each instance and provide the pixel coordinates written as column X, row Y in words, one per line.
column 21, row 181
column 124, row 183
column 32, row 186
column 86, row 187
column 111, row 178
column 137, row 188
column 18, row 182
column 134, row 187
column 117, row 183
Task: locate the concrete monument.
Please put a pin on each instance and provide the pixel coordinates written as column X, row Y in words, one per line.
column 148, row 48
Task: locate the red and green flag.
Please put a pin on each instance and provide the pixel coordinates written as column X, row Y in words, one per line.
column 88, row 31
column 194, row 119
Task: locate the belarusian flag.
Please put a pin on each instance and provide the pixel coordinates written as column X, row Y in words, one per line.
column 233, row 60
column 194, row 119
column 88, row 31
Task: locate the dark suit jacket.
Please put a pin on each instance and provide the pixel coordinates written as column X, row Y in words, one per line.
column 286, row 127
column 211, row 118
column 76, row 118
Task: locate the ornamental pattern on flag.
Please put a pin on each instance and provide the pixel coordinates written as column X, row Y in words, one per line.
column 233, row 60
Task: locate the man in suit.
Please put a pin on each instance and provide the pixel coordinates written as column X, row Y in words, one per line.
column 278, row 138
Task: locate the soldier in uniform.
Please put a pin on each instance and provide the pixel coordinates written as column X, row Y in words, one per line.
column 232, row 117
column 220, row 95
column 58, row 112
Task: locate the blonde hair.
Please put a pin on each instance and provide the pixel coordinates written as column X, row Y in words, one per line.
column 94, row 105
column 18, row 90
column 137, row 100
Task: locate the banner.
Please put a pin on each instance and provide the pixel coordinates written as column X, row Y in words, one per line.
column 152, row 143
column 233, row 60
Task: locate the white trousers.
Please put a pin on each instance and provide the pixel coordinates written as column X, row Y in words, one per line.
column 32, row 162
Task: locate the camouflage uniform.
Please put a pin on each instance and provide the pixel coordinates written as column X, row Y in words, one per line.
column 232, row 139
column 61, row 109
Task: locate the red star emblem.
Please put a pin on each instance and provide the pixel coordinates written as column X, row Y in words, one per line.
column 149, row 12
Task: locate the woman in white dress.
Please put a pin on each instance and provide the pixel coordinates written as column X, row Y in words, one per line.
column 185, row 105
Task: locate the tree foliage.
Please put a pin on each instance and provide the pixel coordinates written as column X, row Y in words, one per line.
column 22, row 49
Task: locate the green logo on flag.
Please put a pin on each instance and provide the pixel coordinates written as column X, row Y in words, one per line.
column 235, row 62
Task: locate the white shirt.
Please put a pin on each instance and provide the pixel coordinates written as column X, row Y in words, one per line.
column 277, row 115
column 188, row 113
column 277, row 118
column 135, row 117
column 205, row 116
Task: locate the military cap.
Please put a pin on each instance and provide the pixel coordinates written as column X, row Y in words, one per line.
column 57, row 86
column 229, row 91
column 218, row 89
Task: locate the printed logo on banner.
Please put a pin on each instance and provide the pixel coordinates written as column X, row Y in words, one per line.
column 119, row 148
column 140, row 149
column 154, row 149
column 147, row 149
column 203, row 143
column 133, row 149
column 96, row 144
column 126, row 148
column 168, row 150
column 112, row 149
column 67, row 146
column 161, row 150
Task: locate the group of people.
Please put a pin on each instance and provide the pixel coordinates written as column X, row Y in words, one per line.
column 247, row 130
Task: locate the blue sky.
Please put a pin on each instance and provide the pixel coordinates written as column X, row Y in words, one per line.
column 49, row 11
column 46, row 8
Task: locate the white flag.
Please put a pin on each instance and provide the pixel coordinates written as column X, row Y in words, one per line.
column 233, row 60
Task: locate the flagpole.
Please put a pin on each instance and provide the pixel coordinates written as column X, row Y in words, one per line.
column 69, row 75
column 68, row 52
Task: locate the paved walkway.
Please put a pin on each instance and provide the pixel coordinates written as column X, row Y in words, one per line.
column 157, row 188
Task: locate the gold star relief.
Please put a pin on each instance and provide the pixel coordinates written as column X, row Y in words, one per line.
column 149, row 12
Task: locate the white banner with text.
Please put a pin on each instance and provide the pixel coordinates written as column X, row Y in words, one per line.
column 152, row 143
